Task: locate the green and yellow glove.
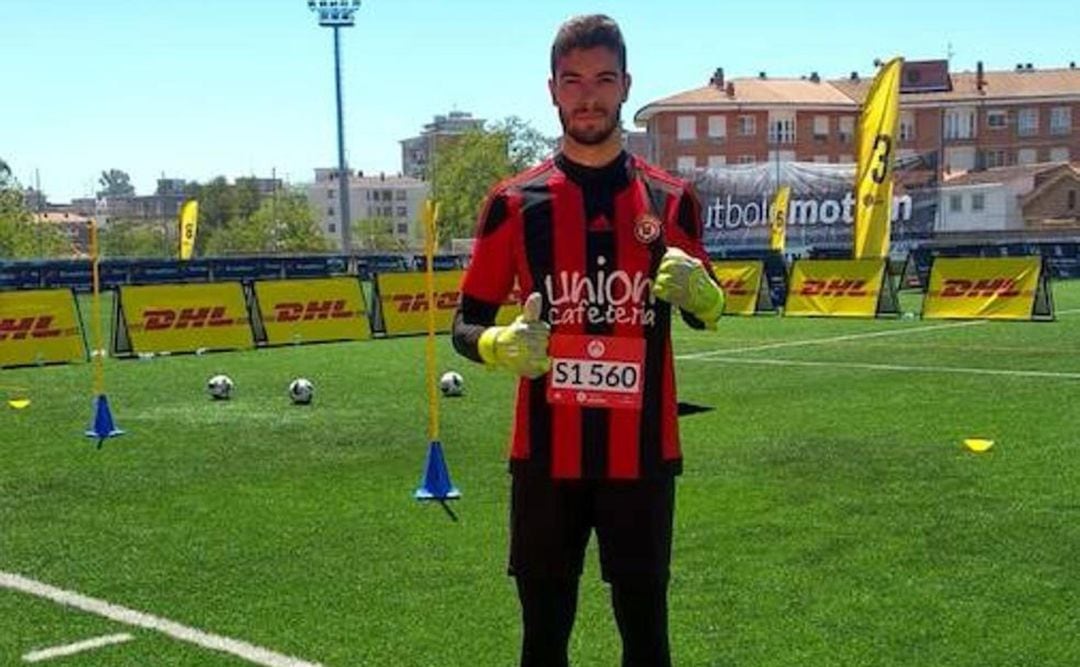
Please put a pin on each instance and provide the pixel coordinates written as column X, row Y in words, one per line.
column 521, row 346
column 683, row 281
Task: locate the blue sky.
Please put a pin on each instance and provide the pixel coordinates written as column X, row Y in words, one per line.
column 239, row 87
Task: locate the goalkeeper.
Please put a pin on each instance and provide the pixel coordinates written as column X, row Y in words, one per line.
column 602, row 245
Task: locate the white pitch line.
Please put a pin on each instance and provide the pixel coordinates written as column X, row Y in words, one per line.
column 1059, row 375
column 76, row 647
column 831, row 339
column 838, row 339
column 241, row 649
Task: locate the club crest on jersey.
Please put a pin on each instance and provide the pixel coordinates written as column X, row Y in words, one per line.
column 647, row 229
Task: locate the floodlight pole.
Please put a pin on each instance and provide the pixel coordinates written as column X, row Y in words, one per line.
column 337, row 14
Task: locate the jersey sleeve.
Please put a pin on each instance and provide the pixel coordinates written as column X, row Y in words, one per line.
column 490, row 276
column 686, row 234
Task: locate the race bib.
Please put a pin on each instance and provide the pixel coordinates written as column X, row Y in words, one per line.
column 596, row 371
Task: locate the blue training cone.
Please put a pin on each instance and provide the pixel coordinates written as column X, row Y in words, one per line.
column 103, row 426
column 436, row 484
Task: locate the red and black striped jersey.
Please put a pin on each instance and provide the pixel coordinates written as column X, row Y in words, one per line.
column 590, row 241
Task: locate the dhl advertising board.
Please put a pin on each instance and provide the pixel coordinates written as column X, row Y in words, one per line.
column 741, row 282
column 312, row 310
column 1003, row 288
column 185, row 318
column 40, row 327
column 835, row 287
column 404, row 303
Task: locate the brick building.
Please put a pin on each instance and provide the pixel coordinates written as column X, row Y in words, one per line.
column 972, row 120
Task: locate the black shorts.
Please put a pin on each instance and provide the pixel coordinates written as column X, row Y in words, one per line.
column 550, row 523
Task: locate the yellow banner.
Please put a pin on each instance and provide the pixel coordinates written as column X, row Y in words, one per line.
column 778, row 218
column 39, row 326
column 186, row 318
column 312, row 310
column 1001, row 288
column 878, row 124
column 741, row 280
column 189, row 221
column 403, row 300
column 835, row 287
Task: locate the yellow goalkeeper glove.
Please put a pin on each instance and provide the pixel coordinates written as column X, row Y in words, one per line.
column 521, row 346
column 683, row 281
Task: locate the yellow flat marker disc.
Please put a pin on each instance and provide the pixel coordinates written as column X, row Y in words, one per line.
column 18, row 403
column 978, row 445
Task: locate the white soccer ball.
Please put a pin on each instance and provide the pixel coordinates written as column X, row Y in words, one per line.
column 301, row 391
column 452, row 384
column 220, row 387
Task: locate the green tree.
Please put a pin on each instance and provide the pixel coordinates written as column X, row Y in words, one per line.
column 378, row 234
column 115, row 183
column 466, row 169
column 20, row 236
column 5, row 172
column 283, row 223
column 129, row 238
column 220, row 204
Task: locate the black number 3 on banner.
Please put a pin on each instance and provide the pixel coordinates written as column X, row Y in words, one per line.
column 884, row 158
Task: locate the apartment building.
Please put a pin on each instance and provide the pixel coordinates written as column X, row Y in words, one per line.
column 394, row 198
column 972, row 120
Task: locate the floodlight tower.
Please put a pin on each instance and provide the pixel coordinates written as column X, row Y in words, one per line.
column 339, row 14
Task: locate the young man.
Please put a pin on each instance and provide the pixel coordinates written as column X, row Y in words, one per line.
column 604, row 244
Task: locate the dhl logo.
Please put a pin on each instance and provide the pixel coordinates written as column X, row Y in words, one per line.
column 312, row 310
column 413, row 303
column 960, row 288
column 35, row 326
column 734, row 287
column 837, row 287
column 158, row 319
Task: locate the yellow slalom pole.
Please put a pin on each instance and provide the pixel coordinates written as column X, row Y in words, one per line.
column 431, row 217
column 99, row 351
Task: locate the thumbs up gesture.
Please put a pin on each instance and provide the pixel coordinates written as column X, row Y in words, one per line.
column 520, row 347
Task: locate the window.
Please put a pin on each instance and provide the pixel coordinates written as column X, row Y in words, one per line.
column 332, row 228
column 978, row 202
column 402, row 228
column 330, row 193
column 1060, row 120
column 367, row 195
column 686, row 128
column 402, row 211
column 717, row 161
column 821, row 128
column 956, row 204
column 1027, row 122
column 959, row 158
column 387, row 195
column 781, row 127
column 960, row 123
column 995, row 158
column 847, row 129
column 907, row 126
column 747, row 159
column 1072, row 199
column 330, row 210
column 1059, row 154
column 399, row 195
column 717, row 127
column 997, row 119
column 686, row 163
column 1027, row 156
column 747, row 126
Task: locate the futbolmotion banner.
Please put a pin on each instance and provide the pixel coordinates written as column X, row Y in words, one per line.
column 736, row 201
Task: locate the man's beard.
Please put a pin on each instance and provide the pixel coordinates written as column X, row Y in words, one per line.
column 595, row 136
